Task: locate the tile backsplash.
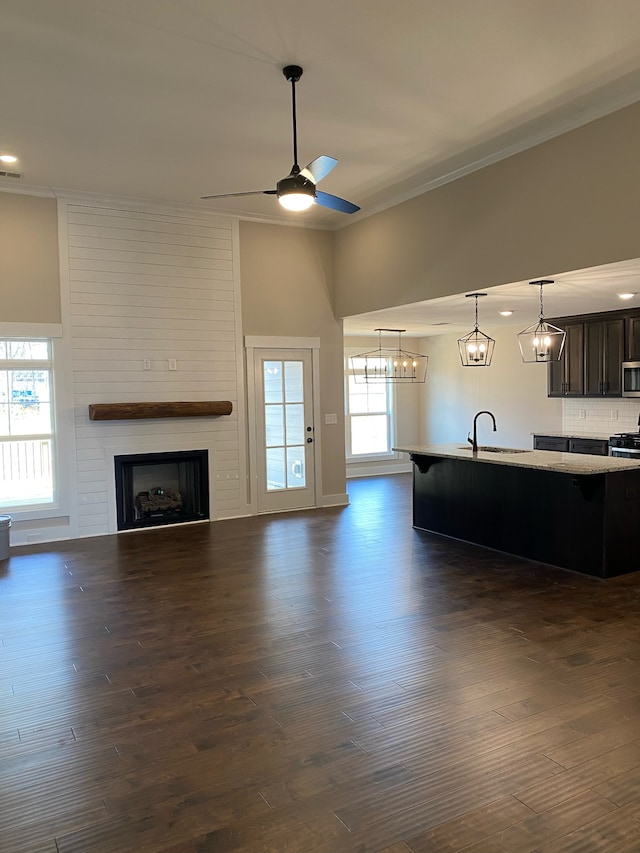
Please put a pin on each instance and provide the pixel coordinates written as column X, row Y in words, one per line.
column 600, row 418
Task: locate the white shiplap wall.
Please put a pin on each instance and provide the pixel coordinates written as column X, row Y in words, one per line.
column 148, row 283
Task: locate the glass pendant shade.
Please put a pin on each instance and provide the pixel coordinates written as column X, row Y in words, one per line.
column 476, row 348
column 541, row 342
column 388, row 364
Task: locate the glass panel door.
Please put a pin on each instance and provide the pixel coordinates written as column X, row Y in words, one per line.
column 286, row 433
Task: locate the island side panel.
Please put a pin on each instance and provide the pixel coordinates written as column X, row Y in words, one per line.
column 548, row 516
column 622, row 522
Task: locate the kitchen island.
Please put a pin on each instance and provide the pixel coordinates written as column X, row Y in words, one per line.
column 577, row 512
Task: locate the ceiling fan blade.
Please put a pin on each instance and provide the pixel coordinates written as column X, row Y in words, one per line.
column 335, row 203
column 319, row 168
column 231, row 195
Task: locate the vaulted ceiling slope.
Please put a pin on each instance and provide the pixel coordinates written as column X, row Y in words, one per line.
column 174, row 99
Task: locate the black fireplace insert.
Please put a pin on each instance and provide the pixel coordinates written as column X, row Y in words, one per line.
column 161, row 488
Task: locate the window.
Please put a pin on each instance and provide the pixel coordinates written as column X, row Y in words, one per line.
column 26, row 423
column 369, row 415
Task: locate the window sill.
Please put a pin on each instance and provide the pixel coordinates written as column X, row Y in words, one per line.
column 34, row 513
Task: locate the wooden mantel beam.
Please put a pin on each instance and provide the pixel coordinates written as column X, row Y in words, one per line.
column 130, row 411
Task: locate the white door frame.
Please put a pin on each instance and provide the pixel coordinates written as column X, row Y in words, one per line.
column 252, row 343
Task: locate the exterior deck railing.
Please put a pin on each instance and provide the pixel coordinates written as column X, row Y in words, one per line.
column 26, row 470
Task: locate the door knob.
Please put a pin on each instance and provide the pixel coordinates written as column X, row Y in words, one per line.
column 309, row 440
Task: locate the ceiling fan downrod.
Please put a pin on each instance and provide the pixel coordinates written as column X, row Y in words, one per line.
column 293, row 73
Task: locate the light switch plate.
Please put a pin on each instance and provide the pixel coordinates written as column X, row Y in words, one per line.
column 331, row 419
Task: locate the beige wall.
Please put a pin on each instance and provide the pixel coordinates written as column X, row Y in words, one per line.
column 286, row 276
column 515, row 392
column 29, row 274
column 569, row 203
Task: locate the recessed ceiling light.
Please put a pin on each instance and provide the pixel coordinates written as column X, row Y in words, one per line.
column 506, row 313
column 626, row 295
column 8, row 158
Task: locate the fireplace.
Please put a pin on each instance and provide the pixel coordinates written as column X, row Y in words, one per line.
column 161, row 488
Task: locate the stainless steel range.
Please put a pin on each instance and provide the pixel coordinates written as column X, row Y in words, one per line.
column 626, row 445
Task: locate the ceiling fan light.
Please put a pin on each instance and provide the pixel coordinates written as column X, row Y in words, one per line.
column 296, row 192
column 296, row 200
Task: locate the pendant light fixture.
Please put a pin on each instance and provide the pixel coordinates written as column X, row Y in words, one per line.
column 541, row 342
column 388, row 364
column 476, row 348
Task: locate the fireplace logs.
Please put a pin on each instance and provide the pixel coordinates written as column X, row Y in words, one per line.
column 158, row 502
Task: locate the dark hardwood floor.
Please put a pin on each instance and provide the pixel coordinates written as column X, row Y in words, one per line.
column 328, row 681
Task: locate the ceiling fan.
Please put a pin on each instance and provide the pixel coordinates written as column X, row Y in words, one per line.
column 298, row 190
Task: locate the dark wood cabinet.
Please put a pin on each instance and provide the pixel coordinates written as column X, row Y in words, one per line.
column 566, row 377
column 551, row 442
column 632, row 350
column 595, row 347
column 603, row 356
column 572, row 444
column 593, row 446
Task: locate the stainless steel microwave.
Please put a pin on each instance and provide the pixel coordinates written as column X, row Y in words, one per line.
column 631, row 378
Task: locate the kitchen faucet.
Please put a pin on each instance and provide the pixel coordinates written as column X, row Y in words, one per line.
column 474, row 442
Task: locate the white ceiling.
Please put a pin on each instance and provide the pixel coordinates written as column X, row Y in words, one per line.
column 580, row 292
column 173, row 99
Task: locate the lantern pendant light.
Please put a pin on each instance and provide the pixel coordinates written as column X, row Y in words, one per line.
column 388, row 364
column 541, row 342
column 476, row 348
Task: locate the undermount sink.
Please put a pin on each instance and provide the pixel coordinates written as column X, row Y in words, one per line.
column 485, row 449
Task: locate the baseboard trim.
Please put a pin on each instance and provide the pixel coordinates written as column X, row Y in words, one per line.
column 378, row 470
column 335, row 500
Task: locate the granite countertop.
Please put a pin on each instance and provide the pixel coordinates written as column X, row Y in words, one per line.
column 546, row 460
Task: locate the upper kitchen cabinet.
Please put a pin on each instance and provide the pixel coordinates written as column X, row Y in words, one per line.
column 566, row 377
column 633, row 339
column 603, row 355
column 596, row 346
